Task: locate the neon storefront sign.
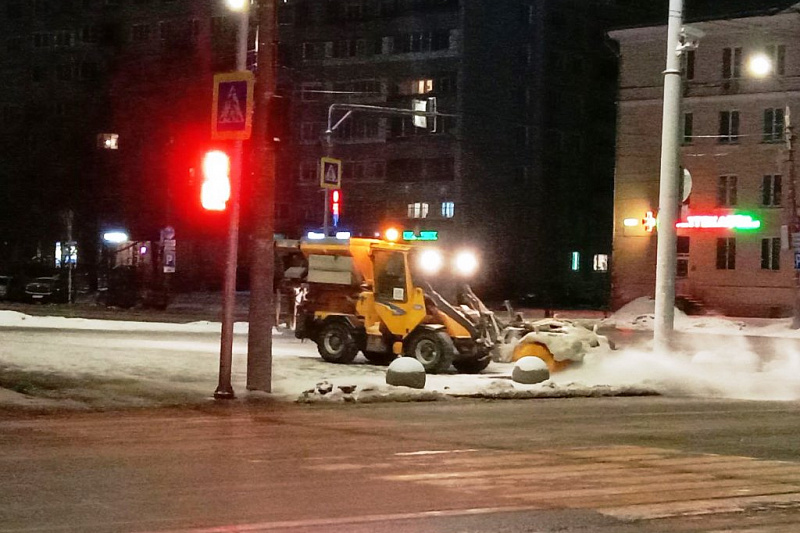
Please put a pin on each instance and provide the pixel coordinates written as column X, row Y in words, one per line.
column 734, row 221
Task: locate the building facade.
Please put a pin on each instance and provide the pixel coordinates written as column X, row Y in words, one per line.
column 519, row 163
column 735, row 251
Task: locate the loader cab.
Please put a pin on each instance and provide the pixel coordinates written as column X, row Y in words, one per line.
column 391, row 281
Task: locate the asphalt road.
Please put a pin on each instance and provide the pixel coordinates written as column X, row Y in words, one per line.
column 606, row 465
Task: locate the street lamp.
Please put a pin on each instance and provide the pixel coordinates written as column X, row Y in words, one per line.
column 224, row 389
column 759, row 65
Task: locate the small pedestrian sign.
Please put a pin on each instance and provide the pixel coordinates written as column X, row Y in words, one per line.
column 797, row 260
column 232, row 108
column 330, row 173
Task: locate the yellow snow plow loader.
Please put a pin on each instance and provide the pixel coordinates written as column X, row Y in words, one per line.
column 375, row 296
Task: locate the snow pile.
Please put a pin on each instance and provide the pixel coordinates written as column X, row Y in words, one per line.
column 640, row 315
column 719, row 372
column 15, row 319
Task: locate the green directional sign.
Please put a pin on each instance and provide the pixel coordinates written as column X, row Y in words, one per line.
column 421, row 236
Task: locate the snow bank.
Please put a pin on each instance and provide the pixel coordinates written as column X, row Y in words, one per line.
column 640, row 315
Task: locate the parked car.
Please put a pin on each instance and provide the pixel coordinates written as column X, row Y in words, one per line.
column 46, row 289
column 5, row 287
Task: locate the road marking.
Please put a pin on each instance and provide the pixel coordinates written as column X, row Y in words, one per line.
column 435, row 452
column 292, row 524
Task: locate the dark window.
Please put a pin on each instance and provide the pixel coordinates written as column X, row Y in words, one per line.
column 771, row 253
column 683, row 257
column 771, row 190
column 688, row 128
column 726, row 253
column 687, row 64
column 726, row 191
column 731, row 63
column 14, row 10
column 777, row 52
column 14, row 44
column 728, row 126
column 773, row 125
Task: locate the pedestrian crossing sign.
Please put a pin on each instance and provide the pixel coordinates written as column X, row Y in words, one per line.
column 232, row 107
column 330, row 173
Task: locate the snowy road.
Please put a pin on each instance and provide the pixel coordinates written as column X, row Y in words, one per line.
column 612, row 465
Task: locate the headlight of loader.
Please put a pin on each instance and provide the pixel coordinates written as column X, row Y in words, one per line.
column 466, row 263
column 430, row 261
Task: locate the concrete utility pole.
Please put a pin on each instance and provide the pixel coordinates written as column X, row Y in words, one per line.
column 666, row 259
column 224, row 388
column 262, row 265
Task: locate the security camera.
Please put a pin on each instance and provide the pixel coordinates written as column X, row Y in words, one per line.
column 692, row 33
column 690, row 38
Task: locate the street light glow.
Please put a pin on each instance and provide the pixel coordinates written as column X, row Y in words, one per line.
column 760, row 65
column 236, row 5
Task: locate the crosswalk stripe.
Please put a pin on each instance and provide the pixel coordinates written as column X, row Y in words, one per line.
column 696, row 507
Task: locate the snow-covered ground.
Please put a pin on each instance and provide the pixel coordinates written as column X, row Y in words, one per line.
column 107, row 371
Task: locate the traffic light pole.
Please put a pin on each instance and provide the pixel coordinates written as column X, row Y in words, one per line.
column 262, row 266
column 224, row 389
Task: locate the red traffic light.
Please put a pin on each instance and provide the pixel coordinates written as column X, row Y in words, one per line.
column 336, row 202
column 216, row 190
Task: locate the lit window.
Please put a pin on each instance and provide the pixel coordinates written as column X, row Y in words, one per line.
column 600, row 263
column 575, row 264
column 422, row 86
column 418, row 210
column 448, row 209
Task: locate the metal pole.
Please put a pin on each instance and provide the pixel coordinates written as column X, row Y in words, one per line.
column 666, row 259
column 224, row 388
column 262, row 266
column 794, row 221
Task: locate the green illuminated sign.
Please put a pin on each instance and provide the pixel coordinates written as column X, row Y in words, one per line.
column 423, row 236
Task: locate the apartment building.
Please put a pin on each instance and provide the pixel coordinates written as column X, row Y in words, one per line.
column 736, row 253
column 518, row 165
column 525, row 91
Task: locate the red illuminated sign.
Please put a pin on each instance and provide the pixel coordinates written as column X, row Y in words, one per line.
column 732, row 221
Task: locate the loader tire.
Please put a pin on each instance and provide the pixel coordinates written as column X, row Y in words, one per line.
column 380, row 358
column 472, row 366
column 434, row 349
column 336, row 343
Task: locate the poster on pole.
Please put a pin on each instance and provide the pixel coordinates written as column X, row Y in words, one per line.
column 232, row 106
column 330, row 173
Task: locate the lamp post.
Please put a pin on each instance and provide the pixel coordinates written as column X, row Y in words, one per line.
column 224, row 388
column 666, row 255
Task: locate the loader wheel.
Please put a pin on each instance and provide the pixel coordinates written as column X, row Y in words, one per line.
column 434, row 349
column 336, row 343
column 539, row 350
column 472, row 366
column 380, row 358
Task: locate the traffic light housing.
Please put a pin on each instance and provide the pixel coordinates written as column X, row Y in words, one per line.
column 216, row 189
column 336, row 205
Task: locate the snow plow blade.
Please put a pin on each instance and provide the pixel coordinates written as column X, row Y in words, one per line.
column 559, row 343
